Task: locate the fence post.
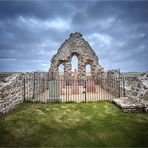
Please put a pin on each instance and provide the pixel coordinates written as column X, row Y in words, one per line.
column 33, row 86
column 101, row 79
column 119, row 83
column 24, row 89
column 124, row 87
column 85, row 90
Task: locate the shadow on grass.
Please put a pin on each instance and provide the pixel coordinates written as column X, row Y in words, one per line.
column 73, row 124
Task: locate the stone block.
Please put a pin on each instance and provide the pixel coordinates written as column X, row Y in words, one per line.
column 129, row 105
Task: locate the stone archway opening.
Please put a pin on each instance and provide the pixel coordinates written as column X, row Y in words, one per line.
column 74, row 63
column 88, row 71
column 74, row 66
column 61, row 71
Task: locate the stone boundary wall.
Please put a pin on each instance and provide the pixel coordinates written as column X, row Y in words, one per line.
column 137, row 87
column 11, row 92
column 19, row 86
column 12, row 89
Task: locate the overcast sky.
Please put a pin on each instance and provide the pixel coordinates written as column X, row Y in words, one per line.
column 32, row 31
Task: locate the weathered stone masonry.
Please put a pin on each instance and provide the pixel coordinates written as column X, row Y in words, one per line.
column 75, row 45
column 13, row 89
column 11, row 93
column 19, row 86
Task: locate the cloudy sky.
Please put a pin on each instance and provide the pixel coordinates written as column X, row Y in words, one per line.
column 32, row 31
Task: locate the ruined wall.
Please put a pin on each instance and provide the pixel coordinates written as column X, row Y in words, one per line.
column 19, row 87
column 11, row 92
column 75, row 45
column 136, row 87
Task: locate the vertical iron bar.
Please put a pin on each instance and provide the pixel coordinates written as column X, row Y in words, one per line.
column 33, row 86
column 27, row 89
column 119, row 83
column 66, row 89
column 124, row 87
column 43, row 90
column 54, row 90
column 85, row 91
column 38, row 89
column 60, row 89
column 72, row 87
column 79, row 82
column 101, row 86
column 24, row 90
column 114, row 87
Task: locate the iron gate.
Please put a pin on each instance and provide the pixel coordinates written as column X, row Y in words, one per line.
column 88, row 90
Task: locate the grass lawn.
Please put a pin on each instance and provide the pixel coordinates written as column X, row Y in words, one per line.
column 84, row 124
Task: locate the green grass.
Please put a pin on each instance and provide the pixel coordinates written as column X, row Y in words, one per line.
column 131, row 74
column 7, row 73
column 84, row 124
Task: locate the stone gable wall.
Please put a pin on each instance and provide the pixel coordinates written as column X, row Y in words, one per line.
column 75, row 45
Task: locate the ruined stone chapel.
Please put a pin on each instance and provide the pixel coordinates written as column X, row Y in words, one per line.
column 75, row 45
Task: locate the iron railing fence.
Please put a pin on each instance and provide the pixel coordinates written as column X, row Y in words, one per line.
column 88, row 90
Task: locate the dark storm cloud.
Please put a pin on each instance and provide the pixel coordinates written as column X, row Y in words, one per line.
column 32, row 31
column 125, row 24
column 131, row 10
column 37, row 9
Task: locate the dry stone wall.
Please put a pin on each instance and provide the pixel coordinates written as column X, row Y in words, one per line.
column 19, row 87
column 137, row 87
column 11, row 93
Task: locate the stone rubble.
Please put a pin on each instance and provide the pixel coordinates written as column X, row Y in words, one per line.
column 129, row 105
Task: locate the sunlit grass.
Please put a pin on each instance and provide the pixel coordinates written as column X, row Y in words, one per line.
column 84, row 124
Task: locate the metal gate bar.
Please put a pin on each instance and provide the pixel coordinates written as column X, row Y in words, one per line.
column 88, row 90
